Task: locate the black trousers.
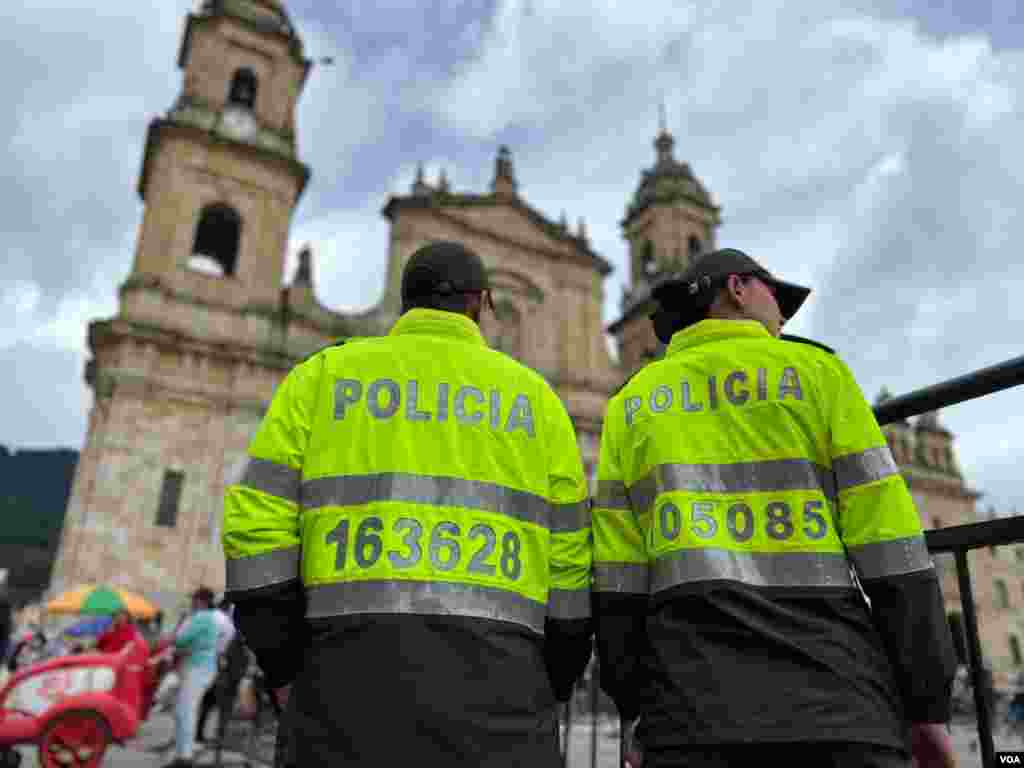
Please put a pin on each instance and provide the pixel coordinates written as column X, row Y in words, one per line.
column 835, row 754
column 221, row 696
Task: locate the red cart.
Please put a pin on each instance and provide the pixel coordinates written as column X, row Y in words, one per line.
column 73, row 707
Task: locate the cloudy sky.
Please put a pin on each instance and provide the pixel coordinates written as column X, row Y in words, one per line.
column 868, row 147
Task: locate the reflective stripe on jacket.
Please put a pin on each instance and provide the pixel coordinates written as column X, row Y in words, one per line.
column 417, row 473
column 745, row 458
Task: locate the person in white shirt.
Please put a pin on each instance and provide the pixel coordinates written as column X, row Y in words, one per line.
column 225, row 626
column 216, row 694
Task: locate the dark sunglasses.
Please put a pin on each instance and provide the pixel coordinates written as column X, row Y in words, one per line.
column 767, row 281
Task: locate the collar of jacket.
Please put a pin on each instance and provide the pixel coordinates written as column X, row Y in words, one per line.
column 715, row 330
column 434, row 322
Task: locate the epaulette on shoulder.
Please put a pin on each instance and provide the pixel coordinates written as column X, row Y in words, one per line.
column 812, row 342
column 628, row 379
column 338, row 343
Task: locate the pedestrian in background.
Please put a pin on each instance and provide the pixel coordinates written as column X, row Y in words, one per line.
column 195, row 642
column 439, row 603
column 121, row 633
column 6, row 621
column 232, row 662
column 740, row 478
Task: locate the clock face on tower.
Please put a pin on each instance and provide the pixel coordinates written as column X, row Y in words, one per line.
column 238, row 123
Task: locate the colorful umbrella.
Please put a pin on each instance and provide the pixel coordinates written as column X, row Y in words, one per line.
column 92, row 626
column 94, row 600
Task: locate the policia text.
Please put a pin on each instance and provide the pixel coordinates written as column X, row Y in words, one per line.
column 735, row 389
column 470, row 406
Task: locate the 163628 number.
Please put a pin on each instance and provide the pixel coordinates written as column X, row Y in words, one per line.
column 446, row 546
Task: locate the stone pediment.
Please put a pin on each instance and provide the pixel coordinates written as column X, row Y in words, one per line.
column 508, row 220
column 516, row 283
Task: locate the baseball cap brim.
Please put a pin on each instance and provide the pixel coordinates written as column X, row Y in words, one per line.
column 672, row 290
column 789, row 296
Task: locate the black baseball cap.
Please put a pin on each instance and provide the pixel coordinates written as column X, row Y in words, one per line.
column 443, row 268
column 690, row 292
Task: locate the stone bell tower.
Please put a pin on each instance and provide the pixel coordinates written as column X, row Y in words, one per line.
column 670, row 221
column 182, row 372
column 220, row 174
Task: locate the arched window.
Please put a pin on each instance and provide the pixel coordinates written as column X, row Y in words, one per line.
column 695, row 247
column 243, row 88
column 508, row 337
column 648, row 262
column 1015, row 650
column 215, row 250
column 1002, row 594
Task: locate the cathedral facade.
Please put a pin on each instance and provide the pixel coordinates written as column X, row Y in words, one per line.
column 925, row 453
column 207, row 324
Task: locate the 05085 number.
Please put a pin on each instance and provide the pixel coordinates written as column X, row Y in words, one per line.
column 739, row 520
column 444, row 546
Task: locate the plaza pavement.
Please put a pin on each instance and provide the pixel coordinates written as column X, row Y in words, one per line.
column 156, row 732
column 159, row 730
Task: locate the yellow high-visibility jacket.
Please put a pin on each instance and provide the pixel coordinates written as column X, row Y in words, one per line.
column 742, row 481
column 414, row 461
column 419, row 477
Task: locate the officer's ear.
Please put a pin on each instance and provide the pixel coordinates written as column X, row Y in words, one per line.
column 735, row 288
column 474, row 305
column 734, row 291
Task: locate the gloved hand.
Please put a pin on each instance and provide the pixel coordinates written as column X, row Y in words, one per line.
column 633, row 756
column 931, row 747
column 281, row 695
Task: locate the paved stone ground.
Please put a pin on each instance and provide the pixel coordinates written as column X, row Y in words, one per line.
column 143, row 752
column 581, row 744
column 966, row 740
column 159, row 730
column 964, row 733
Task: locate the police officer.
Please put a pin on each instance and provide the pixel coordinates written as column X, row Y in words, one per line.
column 409, row 544
column 740, row 478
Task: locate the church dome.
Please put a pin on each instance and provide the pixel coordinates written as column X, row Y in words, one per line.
column 266, row 14
column 668, row 181
column 275, row 8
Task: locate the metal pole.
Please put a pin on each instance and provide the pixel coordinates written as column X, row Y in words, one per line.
column 977, row 667
column 622, row 742
column 984, row 381
column 567, row 731
column 593, row 712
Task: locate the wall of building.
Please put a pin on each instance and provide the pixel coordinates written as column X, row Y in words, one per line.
column 927, row 459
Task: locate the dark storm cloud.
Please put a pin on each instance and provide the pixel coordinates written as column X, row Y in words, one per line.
column 1001, row 20
column 71, row 137
column 867, row 149
column 853, row 151
column 45, row 411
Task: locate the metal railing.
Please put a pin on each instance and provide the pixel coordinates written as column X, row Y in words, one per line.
column 960, row 539
column 956, row 540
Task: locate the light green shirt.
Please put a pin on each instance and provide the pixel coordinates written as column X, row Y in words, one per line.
column 198, row 638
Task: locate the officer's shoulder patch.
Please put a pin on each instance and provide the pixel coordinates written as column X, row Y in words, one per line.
column 629, row 379
column 339, row 343
column 811, row 342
